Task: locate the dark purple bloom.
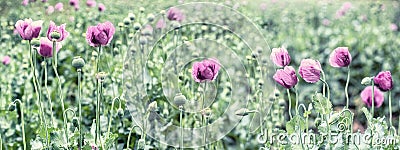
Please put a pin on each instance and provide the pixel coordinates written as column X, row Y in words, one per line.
column 366, row 96
column 102, row 7
column 286, row 77
column 46, row 47
column 101, row 34
column 28, row 29
column 384, row 80
column 340, row 57
column 175, row 14
column 310, row 70
column 206, row 70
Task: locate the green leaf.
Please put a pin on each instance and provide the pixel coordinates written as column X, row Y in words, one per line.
column 321, row 104
column 296, row 121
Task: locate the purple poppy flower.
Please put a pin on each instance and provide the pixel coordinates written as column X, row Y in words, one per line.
column 6, row 60
column 310, row 70
column 340, row 57
column 161, row 24
column 59, row 6
column 50, row 10
column 366, row 96
column 91, row 3
column 28, row 29
column 102, row 7
column 101, row 34
column 175, row 14
column 206, row 70
column 384, row 80
column 286, row 77
column 25, row 2
column 46, row 47
column 393, row 27
column 60, row 29
column 280, row 57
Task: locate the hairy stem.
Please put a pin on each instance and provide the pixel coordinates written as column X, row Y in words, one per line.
column 48, row 92
column 80, row 106
column 60, row 90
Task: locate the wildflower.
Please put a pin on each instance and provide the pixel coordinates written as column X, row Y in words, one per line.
column 175, row 14
column 91, row 3
column 286, row 77
column 28, row 29
column 206, row 70
column 280, row 57
column 6, row 60
column 366, row 96
column 393, row 27
column 59, row 6
column 161, row 24
column 102, row 7
column 340, row 57
column 46, row 47
column 53, row 29
column 384, row 81
column 310, row 70
column 101, row 34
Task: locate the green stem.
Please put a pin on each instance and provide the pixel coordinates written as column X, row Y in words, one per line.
column 38, row 93
column 181, row 124
column 99, row 94
column 22, row 122
column 373, row 97
column 203, row 118
column 111, row 115
column 390, row 110
column 80, row 107
column 60, row 90
column 290, row 103
column 347, row 86
column 48, row 92
column 1, row 142
column 98, row 60
column 327, row 86
column 297, row 102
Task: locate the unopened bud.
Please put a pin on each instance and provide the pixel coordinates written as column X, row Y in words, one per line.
column 367, row 81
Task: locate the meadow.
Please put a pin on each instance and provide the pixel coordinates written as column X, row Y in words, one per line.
column 240, row 74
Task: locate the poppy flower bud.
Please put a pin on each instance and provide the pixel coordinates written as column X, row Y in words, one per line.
column 367, row 81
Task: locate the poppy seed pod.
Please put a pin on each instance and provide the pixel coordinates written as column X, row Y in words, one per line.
column 137, row 26
column 131, row 16
column 78, row 62
column 55, row 35
column 179, row 99
column 35, row 42
column 127, row 21
column 150, row 17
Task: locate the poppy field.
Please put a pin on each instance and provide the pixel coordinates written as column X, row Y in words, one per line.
column 230, row 74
